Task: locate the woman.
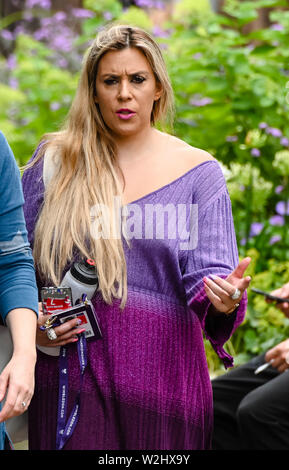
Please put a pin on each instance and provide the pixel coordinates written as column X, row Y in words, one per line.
column 18, row 294
column 147, row 384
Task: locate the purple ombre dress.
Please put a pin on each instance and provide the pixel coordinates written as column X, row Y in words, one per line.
column 147, row 384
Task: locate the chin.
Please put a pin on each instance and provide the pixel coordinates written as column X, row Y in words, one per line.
column 128, row 132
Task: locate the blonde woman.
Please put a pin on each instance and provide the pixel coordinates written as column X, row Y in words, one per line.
column 146, row 385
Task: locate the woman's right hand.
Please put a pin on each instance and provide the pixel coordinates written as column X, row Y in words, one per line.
column 66, row 333
column 284, row 293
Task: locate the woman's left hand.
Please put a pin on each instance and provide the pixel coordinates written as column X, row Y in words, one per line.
column 17, row 380
column 220, row 291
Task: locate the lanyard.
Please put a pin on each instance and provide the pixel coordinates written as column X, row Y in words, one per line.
column 65, row 429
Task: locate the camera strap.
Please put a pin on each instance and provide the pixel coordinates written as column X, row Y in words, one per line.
column 66, row 427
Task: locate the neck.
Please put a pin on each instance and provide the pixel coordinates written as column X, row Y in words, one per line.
column 131, row 148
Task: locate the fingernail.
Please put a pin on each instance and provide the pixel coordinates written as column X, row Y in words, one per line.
column 213, row 276
column 81, row 331
column 74, row 340
column 79, row 321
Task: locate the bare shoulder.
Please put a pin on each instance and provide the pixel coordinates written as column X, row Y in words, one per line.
column 183, row 156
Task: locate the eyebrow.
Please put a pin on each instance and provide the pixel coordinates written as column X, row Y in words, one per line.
column 112, row 74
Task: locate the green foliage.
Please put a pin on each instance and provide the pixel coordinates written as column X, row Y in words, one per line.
column 281, row 162
column 135, row 16
column 186, row 8
column 232, row 99
column 41, row 101
column 245, row 12
column 10, row 99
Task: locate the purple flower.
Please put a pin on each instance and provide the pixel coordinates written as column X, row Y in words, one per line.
column 263, row 125
column 274, row 239
column 282, row 208
column 160, row 33
column 144, row 3
column 107, row 15
column 189, row 122
column 82, row 13
column 13, row 82
column 20, row 29
column 284, row 141
column 11, row 62
column 279, row 189
column 256, row 228
column 197, row 56
column 277, row 27
column 199, row 102
column 45, row 4
column 41, row 34
column 7, row 35
column 159, row 5
column 62, row 62
column 54, row 106
column 46, row 22
column 60, row 16
column 276, row 220
column 274, row 132
column 62, row 43
column 250, row 47
column 231, row 138
column 255, row 152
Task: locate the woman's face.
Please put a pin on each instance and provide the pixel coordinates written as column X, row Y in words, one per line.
column 126, row 89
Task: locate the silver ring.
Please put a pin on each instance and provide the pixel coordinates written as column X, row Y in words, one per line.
column 236, row 294
column 287, row 359
column 23, row 404
column 51, row 334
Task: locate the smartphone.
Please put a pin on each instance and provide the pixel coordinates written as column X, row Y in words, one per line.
column 270, row 296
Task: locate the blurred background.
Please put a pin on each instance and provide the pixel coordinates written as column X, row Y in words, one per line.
column 229, row 65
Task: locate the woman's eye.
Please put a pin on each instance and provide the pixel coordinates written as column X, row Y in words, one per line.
column 138, row 79
column 110, row 81
column 134, row 79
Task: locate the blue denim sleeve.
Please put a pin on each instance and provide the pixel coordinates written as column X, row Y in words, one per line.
column 17, row 274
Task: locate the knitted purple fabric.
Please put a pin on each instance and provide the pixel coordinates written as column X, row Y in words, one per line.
column 147, row 385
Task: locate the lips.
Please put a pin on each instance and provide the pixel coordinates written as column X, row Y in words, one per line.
column 125, row 113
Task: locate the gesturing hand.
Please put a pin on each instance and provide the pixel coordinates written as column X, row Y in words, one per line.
column 220, row 291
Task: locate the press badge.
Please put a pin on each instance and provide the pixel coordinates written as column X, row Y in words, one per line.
column 55, row 298
column 84, row 312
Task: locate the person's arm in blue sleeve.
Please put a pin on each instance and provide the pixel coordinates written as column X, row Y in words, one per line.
column 17, row 274
column 18, row 290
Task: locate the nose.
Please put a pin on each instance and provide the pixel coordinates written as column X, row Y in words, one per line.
column 124, row 91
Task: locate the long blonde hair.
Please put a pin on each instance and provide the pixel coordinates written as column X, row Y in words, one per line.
column 87, row 173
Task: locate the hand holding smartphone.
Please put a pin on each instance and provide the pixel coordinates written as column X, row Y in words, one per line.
column 270, row 296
